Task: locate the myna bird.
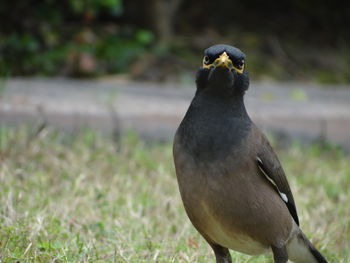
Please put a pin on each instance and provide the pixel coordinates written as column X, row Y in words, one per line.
column 232, row 184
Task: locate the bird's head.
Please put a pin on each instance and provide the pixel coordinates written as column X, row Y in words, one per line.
column 223, row 68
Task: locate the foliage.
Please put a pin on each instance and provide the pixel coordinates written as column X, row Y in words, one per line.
column 93, row 37
column 94, row 7
column 69, row 38
column 79, row 199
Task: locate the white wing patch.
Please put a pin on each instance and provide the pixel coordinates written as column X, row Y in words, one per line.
column 283, row 195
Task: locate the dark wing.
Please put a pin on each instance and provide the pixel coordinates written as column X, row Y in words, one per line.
column 270, row 166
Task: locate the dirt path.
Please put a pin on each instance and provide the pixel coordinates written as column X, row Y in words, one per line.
column 290, row 110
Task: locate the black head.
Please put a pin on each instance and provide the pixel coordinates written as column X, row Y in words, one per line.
column 223, row 68
column 224, row 55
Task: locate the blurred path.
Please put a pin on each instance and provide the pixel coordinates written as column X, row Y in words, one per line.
column 290, row 110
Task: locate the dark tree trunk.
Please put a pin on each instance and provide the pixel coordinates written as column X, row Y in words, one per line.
column 163, row 18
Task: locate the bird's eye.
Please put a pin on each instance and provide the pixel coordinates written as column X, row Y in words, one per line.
column 240, row 63
column 206, row 60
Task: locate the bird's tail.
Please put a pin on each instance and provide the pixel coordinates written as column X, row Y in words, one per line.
column 318, row 256
column 301, row 250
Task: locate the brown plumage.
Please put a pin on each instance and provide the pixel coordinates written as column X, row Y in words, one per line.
column 232, row 185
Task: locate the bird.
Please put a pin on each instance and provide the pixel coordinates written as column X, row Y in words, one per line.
column 232, row 184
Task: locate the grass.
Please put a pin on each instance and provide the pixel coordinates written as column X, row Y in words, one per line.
column 81, row 199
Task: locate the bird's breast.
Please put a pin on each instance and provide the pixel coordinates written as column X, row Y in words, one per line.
column 213, row 136
column 212, row 195
column 227, row 236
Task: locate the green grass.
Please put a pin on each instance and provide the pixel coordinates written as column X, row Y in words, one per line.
column 82, row 199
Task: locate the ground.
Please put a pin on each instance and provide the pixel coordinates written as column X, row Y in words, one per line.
column 304, row 111
column 87, row 198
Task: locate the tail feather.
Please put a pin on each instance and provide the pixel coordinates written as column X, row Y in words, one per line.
column 316, row 254
column 301, row 250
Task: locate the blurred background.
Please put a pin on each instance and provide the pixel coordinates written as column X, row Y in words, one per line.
column 163, row 40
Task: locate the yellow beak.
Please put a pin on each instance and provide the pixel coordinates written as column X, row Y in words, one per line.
column 223, row 61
